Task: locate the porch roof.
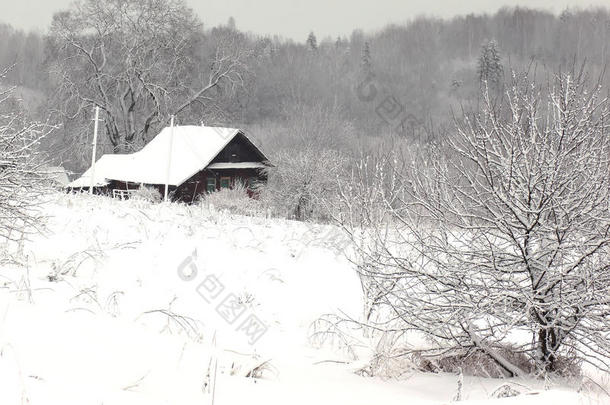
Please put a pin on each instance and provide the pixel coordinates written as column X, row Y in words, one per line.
column 237, row 165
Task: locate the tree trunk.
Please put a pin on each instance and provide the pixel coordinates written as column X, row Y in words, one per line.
column 547, row 341
column 511, row 369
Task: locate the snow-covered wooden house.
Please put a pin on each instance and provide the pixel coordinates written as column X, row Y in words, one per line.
column 191, row 160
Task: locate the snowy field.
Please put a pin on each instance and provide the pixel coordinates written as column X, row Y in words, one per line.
column 122, row 302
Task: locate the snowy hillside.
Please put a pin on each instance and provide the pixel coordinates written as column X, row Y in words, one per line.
column 131, row 303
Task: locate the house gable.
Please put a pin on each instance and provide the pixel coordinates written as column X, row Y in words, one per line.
column 239, row 149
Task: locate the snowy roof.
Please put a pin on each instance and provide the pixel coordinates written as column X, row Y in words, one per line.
column 237, row 165
column 192, row 149
column 104, row 169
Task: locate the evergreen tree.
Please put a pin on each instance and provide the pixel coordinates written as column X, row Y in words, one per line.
column 312, row 42
column 490, row 68
column 338, row 43
column 366, row 63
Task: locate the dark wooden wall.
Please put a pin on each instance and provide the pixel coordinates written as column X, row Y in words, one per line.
column 191, row 189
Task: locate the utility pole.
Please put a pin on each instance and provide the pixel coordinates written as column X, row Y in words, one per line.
column 97, row 116
column 169, row 157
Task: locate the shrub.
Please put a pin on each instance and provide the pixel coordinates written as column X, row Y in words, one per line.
column 235, row 200
column 148, row 194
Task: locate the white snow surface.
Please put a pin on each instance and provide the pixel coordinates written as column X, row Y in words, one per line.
column 192, row 149
column 97, row 313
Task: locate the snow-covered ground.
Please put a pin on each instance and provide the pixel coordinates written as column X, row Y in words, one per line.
column 122, row 302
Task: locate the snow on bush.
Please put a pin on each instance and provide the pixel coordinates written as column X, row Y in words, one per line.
column 148, row 194
column 235, row 200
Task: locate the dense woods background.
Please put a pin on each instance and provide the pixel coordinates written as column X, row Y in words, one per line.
column 343, row 93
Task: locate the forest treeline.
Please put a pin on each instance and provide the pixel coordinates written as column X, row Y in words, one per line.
column 342, row 93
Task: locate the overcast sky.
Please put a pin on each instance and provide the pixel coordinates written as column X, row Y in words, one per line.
column 295, row 18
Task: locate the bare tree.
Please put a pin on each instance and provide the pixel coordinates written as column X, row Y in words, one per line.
column 22, row 177
column 308, row 163
column 140, row 61
column 303, row 182
column 502, row 241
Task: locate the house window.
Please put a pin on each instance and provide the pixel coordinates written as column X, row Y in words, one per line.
column 211, row 184
column 225, row 182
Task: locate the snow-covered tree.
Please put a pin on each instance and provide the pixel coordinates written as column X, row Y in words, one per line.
column 22, row 174
column 140, row 61
column 305, row 176
column 302, row 182
column 502, row 240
